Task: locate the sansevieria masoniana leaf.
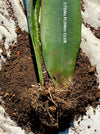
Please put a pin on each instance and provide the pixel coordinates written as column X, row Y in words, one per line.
column 33, row 7
column 60, row 36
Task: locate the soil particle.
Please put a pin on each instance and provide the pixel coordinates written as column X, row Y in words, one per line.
column 11, row 12
column 96, row 32
column 89, row 126
column 82, row 5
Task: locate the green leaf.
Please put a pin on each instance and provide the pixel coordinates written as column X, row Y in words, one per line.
column 33, row 8
column 60, row 36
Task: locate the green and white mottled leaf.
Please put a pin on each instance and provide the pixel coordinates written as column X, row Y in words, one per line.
column 33, row 7
column 60, row 36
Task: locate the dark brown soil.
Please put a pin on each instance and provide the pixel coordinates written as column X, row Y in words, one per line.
column 34, row 107
column 17, row 76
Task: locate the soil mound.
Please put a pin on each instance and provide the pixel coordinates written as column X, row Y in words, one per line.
column 34, row 107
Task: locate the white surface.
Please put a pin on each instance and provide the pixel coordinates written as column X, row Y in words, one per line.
column 90, row 124
column 91, row 15
column 7, row 27
column 18, row 12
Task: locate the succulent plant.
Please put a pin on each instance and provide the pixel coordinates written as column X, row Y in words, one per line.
column 60, row 36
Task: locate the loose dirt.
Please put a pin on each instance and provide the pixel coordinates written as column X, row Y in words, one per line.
column 35, row 108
